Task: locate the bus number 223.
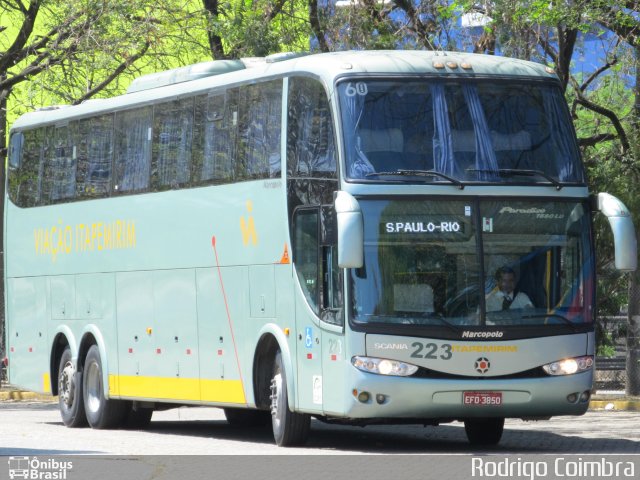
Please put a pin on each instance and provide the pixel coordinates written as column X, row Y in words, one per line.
column 431, row 350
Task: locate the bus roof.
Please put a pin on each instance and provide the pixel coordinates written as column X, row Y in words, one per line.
column 327, row 66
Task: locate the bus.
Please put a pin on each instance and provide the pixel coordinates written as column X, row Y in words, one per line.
column 304, row 236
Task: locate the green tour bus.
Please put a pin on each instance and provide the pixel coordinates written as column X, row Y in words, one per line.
column 304, row 236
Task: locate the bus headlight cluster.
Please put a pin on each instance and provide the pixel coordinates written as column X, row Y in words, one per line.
column 383, row 366
column 569, row 366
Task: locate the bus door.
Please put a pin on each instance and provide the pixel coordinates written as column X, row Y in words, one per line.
column 320, row 314
column 306, row 259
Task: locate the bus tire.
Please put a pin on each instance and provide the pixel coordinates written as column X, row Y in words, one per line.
column 244, row 417
column 70, row 399
column 101, row 413
column 289, row 428
column 484, row 431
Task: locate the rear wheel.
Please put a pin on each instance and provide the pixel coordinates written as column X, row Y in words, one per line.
column 70, row 392
column 101, row 413
column 484, row 431
column 289, row 428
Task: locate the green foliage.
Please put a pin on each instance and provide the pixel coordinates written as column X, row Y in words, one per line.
column 259, row 28
column 401, row 24
column 603, row 350
column 80, row 49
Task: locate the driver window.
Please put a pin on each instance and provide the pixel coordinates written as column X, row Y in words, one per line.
column 305, row 252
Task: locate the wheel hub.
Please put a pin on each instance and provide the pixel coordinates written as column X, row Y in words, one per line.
column 66, row 385
column 276, row 388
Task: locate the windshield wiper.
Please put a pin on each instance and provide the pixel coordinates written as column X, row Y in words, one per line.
column 441, row 320
column 418, row 316
column 515, row 172
column 552, row 315
column 417, row 173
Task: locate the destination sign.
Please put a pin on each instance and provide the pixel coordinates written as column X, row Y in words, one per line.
column 424, row 227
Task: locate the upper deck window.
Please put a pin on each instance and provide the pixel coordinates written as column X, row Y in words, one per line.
column 480, row 131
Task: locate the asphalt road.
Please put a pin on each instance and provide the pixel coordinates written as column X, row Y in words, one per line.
column 35, row 428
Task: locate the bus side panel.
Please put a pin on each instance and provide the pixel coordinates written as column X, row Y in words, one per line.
column 157, row 336
column 95, row 311
column 220, row 380
column 134, row 311
column 27, row 324
column 176, row 329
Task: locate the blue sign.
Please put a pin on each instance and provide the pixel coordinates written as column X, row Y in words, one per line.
column 308, row 337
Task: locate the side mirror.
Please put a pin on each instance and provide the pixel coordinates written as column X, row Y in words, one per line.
column 350, row 231
column 624, row 233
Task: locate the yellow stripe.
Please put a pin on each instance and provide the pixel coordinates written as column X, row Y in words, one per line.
column 46, row 383
column 168, row 388
column 223, row 391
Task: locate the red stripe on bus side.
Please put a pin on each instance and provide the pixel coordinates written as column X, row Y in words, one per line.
column 226, row 306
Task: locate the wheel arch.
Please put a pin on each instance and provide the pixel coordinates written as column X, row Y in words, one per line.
column 271, row 339
column 63, row 338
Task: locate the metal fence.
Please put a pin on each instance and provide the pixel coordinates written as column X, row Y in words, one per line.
column 611, row 371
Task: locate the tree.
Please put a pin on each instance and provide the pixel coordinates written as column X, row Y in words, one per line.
column 384, row 24
column 245, row 28
column 67, row 52
column 608, row 130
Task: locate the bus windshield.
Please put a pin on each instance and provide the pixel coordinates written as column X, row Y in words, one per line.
column 460, row 262
column 435, row 131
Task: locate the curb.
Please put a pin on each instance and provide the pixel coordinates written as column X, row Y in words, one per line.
column 620, row 405
column 19, row 395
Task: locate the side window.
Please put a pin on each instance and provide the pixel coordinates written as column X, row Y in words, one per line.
column 172, row 141
column 15, row 149
column 133, row 150
column 259, row 130
column 332, row 278
column 59, row 174
column 305, row 253
column 214, row 135
column 28, row 178
column 310, row 138
column 332, row 300
column 15, row 156
column 94, row 149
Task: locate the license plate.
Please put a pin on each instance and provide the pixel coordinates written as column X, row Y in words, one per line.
column 490, row 399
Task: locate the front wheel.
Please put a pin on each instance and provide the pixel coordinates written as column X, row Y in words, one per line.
column 289, row 428
column 484, row 431
column 101, row 413
column 70, row 392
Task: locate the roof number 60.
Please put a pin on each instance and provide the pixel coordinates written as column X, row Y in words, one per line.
column 360, row 88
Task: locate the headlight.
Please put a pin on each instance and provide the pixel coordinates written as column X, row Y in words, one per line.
column 569, row 366
column 383, row 366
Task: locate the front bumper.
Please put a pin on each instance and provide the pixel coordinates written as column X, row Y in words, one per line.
column 423, row 398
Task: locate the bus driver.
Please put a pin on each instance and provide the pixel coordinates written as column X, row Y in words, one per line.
column 504, row 296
